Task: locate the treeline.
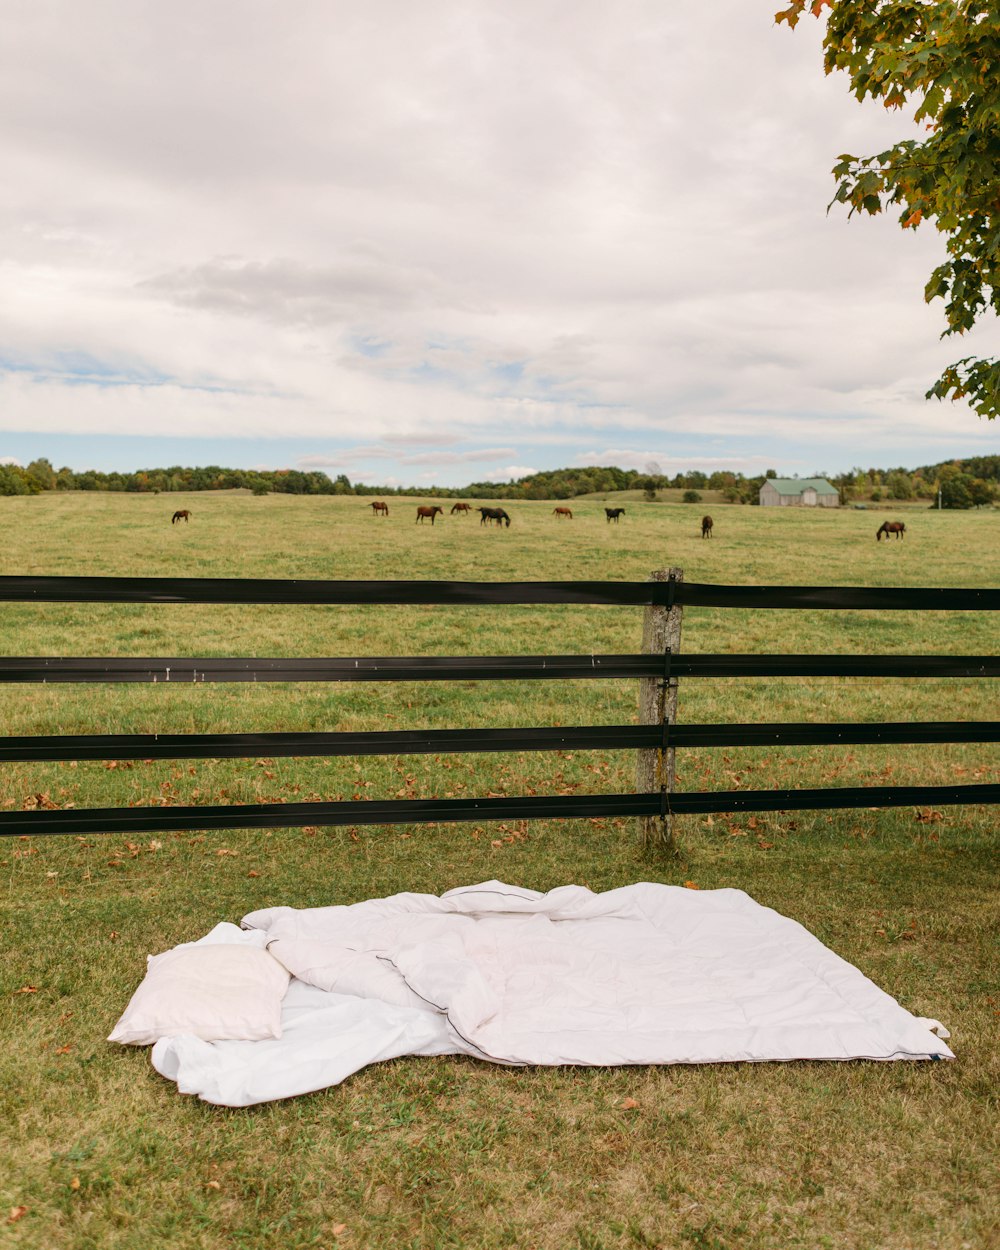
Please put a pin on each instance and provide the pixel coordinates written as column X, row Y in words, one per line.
column 970, row 483
column 40, row 475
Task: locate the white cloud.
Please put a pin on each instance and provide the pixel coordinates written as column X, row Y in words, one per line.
column 9, row 460
column 457, row 457
column 446, row 225
column 627, row 458
column 511, row 472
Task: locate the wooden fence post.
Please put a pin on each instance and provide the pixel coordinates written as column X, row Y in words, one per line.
column 655, row 769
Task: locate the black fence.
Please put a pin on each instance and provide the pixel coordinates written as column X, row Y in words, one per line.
column 668, row 594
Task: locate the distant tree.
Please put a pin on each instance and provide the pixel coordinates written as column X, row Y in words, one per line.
column 691, row 496
column 954, row 487
column 14, row 481
column 41, row 475
column 720, row 479
column 899, row 485
column 982, row 492
column 941, row 56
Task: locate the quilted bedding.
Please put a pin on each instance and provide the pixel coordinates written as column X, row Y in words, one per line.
column 645, row 974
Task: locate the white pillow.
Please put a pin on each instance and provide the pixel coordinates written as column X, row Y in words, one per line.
column 215, row 992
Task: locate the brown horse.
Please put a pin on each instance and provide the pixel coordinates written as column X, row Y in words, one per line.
column 706, row 527
column 613, row 514
column 380, row 507
column 183, row 515
column 460, row 507
column 890, row 527
column 423, row 513
column 566, row 512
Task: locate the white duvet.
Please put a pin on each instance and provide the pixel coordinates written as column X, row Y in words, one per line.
column 646, row 974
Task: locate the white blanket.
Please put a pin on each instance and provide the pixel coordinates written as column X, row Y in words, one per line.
column 640, row 975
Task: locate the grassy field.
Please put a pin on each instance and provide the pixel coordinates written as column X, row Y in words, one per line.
column 449, row 1152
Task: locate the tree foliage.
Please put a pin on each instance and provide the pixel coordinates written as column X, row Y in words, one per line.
column 980, row 479
column 942, row 59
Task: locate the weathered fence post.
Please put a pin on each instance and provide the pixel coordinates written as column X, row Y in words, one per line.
column 661, row 635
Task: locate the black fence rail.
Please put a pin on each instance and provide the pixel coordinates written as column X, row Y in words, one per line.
column 665, row 596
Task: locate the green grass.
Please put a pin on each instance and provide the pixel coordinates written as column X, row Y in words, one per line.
column 449, row 1152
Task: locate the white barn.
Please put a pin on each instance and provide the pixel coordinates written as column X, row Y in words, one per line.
column 798, row 492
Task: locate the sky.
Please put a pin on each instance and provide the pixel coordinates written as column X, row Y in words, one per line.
column 443, row 243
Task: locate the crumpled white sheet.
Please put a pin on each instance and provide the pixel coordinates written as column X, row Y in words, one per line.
column 645, row 974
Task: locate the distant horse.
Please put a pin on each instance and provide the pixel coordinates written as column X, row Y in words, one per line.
column 494, row 514
column 890, row 527
column 566, row 512
column 460, row 507
column 423, row 513
column 183, row 515
column 380, row 507
column 706, row 527
column 613, row 514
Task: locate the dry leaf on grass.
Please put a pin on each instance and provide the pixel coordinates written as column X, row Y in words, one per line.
column 690, row 885
column 629, row 1104
column 16, row 1213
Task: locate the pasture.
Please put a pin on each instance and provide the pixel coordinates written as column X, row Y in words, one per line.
column 448, row 1152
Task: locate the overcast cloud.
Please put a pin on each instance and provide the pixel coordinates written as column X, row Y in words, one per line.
column 439, row 242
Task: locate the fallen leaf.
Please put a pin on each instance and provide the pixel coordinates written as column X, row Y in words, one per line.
column 212, row 1185
column 16, row 1213
column 630, row 1104
column 64, row 1050
column 253, row 873
column 75, row 1183
column 27, row 989
column 690, row 885
column 338, row 1229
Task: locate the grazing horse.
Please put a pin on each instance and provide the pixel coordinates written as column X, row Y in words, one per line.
column 494, row 514
column 183, row 515
column 380, row 507
column 613, row 514
column 890, row 527
column 706, row 527
column 566, row 512
column 423, row 513
column 460, row 507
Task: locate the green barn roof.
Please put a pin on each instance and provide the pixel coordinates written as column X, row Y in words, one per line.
column 796, row 485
